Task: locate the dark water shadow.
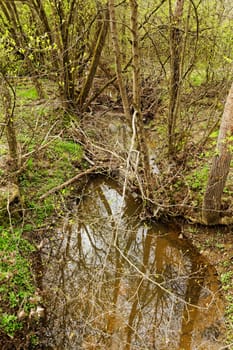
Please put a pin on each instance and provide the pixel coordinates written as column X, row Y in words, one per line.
column 115, row 283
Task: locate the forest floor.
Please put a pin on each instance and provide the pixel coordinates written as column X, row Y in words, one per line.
column 54, row 151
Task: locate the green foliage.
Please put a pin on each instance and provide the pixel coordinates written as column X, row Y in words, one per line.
column 214, row 134
column 59, row 154
column 10, row 324
column 197, row 77
column 50, row 168
column 68, row 149
column 226, row 278
column 220, row 245
column 16, row 282
column 198, row 179
column 3, row 150
column 34, row 340
column 40, row 211
column 229, row 309
column 27, row 93
column 30, row 163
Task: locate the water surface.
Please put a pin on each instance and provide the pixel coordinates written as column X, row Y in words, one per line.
column 115, row 283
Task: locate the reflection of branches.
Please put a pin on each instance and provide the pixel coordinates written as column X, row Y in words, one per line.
column 193, row 293
column 125, row 295
column 94, row 246
column 159, row 285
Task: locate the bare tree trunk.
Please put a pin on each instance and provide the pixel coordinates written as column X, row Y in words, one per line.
column 175, row 74
column 135, row 54
column 95, row 62
column 9, row 125
column 65, row 20
column 220, row 166
column 117, row 53
column 137, row 99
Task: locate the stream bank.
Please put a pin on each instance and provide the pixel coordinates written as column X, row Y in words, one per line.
column 63, row 159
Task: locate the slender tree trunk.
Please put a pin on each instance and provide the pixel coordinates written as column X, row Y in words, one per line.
column 9, row 125
column 117, row 54
column 123, row 33
column 95, row 62
column 175, row 74
column 220, row 165
column 68, row 84
column 135, row 54
column 137, row 99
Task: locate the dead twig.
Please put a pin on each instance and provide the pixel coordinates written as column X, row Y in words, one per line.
column 70, row 181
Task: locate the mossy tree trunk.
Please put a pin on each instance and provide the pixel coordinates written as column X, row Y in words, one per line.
column 220, row 166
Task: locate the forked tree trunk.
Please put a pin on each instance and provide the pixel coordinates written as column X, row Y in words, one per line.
column 220, row 166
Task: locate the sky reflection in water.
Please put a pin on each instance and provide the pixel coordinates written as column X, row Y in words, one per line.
column 115, row 283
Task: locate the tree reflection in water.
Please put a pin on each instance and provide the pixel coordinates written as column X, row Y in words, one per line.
column 115, row 283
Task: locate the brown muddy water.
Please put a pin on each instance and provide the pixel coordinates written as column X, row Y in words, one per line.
column 113, row 282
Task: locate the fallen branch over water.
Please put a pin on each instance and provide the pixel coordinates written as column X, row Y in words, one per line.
column 70, row 181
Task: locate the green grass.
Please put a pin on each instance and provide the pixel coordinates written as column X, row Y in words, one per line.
column 67, row 149
column 226, row 278
column 197, row 180
column 197, row 77
column 3, row 149
column 16, row 282
column 27, row 93
column 53, row 166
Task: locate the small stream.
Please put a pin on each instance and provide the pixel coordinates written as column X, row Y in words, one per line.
column 113, row 282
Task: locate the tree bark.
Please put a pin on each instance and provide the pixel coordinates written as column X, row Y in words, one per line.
column 95, row 62
column 220, row 166
column 143, row 149
column 117, row 53
column 175, row 73
column 9, row 127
